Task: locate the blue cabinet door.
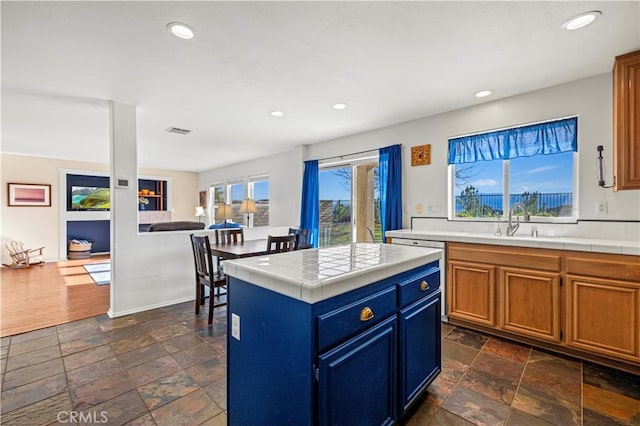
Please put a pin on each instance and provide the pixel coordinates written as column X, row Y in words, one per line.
column 357, row 380
column 420, row 347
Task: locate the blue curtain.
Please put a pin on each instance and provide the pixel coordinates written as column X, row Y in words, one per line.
column 390, row 168
column 310, row 210
column 551, row 137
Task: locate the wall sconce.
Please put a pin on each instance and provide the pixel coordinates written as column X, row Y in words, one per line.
column 248, row 206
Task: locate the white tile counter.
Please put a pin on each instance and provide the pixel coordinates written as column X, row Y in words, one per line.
column 629, row 247
column 318, row 274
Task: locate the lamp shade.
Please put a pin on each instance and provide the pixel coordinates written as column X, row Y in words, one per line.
column 248, row 206
column 199, row 211
column 223, row 212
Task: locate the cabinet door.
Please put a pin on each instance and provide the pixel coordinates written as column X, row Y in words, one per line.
column 626, row 121
column 420, row 347
column 529, row 303
column 358, row 379
column 603, row 316
column 471, row 292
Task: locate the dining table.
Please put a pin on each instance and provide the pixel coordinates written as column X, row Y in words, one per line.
column 240, row 249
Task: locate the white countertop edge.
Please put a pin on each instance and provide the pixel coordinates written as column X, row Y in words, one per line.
column 313, row 291
column 557, row 243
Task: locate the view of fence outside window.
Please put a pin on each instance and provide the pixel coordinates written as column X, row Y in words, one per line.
column 235, row 195
column 259, row 192
column 543, row 183
column 336, row 205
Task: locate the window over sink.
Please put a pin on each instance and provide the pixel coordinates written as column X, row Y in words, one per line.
column 534, row 165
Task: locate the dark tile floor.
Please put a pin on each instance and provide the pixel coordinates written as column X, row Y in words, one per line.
column 167, row 367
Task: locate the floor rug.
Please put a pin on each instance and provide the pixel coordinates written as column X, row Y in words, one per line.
column 100, row 272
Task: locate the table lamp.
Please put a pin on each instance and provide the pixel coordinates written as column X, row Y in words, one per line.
column 223, row 212
column 248, row 206
column 199, row 213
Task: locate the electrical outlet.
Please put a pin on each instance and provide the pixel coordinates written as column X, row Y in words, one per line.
column 419, row 208
column 601, row 207
column 235, row 326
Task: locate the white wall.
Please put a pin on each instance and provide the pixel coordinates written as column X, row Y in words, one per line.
column 156, row 269
column 285, row 183
column 590, row 99
column 40, row 226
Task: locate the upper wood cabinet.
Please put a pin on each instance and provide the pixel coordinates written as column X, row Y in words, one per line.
column 626, row 121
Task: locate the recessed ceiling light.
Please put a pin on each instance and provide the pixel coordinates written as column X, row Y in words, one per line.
column 581, row 20
column 277, row 113
column 482, row 93
column 339, row 106
column 180, row 30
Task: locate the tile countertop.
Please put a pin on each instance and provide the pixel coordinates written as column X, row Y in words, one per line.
column 314, row 275
column 548, row 242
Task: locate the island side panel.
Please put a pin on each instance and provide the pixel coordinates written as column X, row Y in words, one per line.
column 275, row 340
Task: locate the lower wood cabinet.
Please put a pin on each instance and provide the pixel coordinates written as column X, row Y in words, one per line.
column 529, row 303
column 472, row 292
column 603, row 316
column 580, row 303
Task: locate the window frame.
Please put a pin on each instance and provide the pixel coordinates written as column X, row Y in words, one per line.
column 351, row 162
column 505, row 198
column 251, row 180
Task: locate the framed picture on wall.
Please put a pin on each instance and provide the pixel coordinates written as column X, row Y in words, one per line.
column 203, row 199
column 29, row 195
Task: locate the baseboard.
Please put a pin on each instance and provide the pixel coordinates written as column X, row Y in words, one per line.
column 148, row 307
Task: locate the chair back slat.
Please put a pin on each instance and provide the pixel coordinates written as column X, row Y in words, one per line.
column 229, row 236
column 278, row 244
column 202, row 256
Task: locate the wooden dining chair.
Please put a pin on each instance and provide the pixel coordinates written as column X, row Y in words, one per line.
column 302, row 240
column 229, row 236
column 279, row 244
column 206, row 275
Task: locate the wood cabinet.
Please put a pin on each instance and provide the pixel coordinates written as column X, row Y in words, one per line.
column 471, row 292
column 580, row 303
column 529, row 303
column 603, row 305
column 603, row 316
column 626, row 121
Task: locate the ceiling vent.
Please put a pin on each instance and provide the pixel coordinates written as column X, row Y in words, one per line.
column 178, row 131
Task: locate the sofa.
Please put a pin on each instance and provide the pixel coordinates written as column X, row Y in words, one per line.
column 175, row 226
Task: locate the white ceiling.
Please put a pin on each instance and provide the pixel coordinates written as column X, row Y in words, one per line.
column 389, row 61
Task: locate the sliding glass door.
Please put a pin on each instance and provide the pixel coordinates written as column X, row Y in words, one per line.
column 349, row 203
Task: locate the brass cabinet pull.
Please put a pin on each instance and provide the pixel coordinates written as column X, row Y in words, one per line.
column 424, row 286
column 366, row 314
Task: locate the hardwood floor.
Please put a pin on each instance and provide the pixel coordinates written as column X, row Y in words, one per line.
column 48, row 295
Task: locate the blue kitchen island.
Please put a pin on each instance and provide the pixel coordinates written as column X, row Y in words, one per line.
column 345, row 335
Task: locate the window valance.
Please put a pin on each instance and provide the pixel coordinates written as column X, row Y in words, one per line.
column 551, row 137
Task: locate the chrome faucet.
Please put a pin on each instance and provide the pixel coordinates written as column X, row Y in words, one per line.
column 513, row 227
